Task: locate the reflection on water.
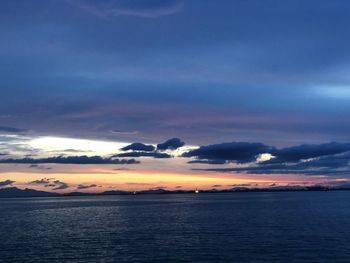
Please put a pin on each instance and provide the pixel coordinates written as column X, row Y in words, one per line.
column 237, row 227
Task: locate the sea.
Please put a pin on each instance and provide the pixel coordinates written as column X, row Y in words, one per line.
column 213, row 227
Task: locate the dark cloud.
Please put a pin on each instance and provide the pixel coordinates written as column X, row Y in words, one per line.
column 322, row 159
column 240, row 152
column 137, row 146
column 338, row 164
column 71, row 160
column 4, row 129
column 81, row 186
column 156, row 155
column 6, row 183
column 142, row 150
column 171, row 144
column 139, row 8
column 306, row 151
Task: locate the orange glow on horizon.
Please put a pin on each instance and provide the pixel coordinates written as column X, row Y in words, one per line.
column 142, row 180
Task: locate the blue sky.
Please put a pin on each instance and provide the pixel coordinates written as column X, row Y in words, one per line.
column 246, row 69
column 273, row 72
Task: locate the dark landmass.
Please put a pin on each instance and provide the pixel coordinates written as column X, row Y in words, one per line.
column 10, row 192
column 14, row 192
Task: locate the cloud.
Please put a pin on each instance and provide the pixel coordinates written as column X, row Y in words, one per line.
column 137, row 146
column 208, row 161
column 42, row 181
column 240, row 152
column 171, row 144
column 143, row 150
column 319, row 159
column 71, row 160
column 60, row 185
column 39, row 167
column 81, row 186
column 139, row 8
column 6, row 183
column 50, row 183
column 338, row 164
column 144, row 154
column 307, row 151
column 122, row 132
column 4, row 129
column 243, row 185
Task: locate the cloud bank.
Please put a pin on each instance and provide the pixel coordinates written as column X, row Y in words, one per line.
column 319, row 159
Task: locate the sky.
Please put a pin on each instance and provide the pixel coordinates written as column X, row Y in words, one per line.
column 175, row 94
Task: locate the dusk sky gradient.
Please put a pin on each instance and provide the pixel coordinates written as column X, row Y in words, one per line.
column 250, row 92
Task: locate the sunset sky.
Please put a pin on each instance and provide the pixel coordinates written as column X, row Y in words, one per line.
column 103, row 95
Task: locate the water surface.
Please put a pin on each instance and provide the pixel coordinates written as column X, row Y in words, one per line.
column 237, row 227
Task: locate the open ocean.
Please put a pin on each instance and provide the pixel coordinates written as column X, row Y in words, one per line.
column 235, row 227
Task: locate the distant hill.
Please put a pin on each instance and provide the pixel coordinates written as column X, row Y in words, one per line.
column 16, row 192
column 11, row 192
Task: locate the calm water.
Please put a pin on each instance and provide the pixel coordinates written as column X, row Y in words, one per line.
column 238, row 227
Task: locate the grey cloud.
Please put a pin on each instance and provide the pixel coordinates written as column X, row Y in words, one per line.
column 60, row 185
column 122, row 132
column 71, row 160
column 51, row 182
column 43, row 181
